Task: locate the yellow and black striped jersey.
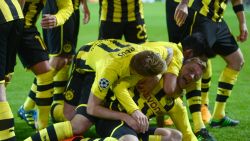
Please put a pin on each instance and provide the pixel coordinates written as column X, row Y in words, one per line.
column 121, row 10
column 31, row 11
column 155, row 104
column 10, row 10
column 213, row 9
column 110, row 60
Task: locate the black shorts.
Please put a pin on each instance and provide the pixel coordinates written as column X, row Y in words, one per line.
column 78, row 91
column 10, row 38
column 176, row 33
column 62, row 40
column 133, row 31
column 32, row 49
column 117, row 129
column 217, row 34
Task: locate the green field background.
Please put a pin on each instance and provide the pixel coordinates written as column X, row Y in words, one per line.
column 238, row 104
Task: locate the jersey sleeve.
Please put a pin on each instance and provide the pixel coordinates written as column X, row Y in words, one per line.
column 105, row 77
column 65, row 10
column 176, row 62
column 121, row 91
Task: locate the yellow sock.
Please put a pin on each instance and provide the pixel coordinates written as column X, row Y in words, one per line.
column 154, row 138
column 6, row 122
column 179, row 116
column 226, row 82
column 29, row 103
column 58, row 131
column 57, row 115
column 60, row 81
column 44, row 98
column 194, row 102
column 205, row 83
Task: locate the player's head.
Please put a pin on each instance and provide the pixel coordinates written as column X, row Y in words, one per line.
column 191, row 71
column 196, row 45
column 148, row 63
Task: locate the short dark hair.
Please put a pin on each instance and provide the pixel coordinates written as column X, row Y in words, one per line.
column 148, row 63
column 198, row 43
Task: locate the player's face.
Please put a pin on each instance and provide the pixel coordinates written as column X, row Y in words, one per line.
column 189, row 73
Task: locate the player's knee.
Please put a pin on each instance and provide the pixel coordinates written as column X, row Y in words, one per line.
column 176, row 135
column 59, row 62
column 80, row 124
column 128, row 138
column 169, row 134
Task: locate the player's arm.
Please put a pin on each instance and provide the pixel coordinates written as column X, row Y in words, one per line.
column 65, row 9
column 85, row 10
column 104, row 79
column 106, row 113
column 121, row 92
column 170, row 84
column 238, row 8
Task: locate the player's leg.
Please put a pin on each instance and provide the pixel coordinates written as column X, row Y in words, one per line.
column 80, row 123
column 34, row 56
column 205, row 84
column 227, row 47
column 179, row 116
column 115, row 128
column 165, row 134
column 62, row 49
column 11, row 31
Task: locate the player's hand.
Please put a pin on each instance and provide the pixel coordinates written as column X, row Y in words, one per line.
column 142, row 120
column 243, row 33
column 131, row 122
column 48, row 21
column 146, row 85
column 181, row 13
column 86, row 14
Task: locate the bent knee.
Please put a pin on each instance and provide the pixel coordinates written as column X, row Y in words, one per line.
column 128, row 138
column 80, row 124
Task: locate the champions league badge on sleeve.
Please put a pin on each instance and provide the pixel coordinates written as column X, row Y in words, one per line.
column 103, row 83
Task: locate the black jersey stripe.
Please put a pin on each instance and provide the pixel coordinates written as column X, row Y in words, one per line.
column 110, row 11
column 2, row 18
column 124, row 10
column 13, row 8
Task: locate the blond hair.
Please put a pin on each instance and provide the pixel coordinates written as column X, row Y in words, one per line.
column 199, row 61
column 148, row 63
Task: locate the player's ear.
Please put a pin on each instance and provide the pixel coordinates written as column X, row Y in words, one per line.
column 188, row 53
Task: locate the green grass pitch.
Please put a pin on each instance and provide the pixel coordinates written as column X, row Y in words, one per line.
column 237, row 105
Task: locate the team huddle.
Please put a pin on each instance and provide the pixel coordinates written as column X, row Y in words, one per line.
column 116, row 85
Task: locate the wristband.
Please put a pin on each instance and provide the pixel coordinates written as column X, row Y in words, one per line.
column 238, row 8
